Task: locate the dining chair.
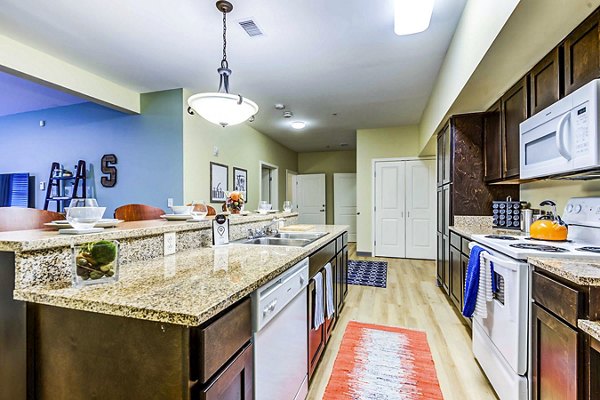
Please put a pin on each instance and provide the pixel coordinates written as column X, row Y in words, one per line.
column 138, row 212
column 211, row 210
column 19, row 219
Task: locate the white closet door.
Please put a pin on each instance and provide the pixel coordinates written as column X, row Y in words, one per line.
column 311, row 199
column 420, row 209
column 344, row 202
column 389, row 209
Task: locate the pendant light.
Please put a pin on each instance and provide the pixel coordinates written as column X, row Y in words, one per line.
column 223, row 108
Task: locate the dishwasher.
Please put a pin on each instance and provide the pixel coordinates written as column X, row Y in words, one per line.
column 280, row 331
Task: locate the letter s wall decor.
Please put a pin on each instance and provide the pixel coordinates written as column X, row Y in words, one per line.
column 108, row 163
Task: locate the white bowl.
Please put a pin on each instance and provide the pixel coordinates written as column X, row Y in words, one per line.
column 182, row 210
column 84, row 217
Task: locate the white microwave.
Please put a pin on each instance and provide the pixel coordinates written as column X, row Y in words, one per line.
column 562, row 140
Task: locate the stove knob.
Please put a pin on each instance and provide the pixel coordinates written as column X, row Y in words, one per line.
column 577, row 208
column 570, row 208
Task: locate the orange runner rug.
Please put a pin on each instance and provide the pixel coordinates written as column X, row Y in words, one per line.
column 382, row 362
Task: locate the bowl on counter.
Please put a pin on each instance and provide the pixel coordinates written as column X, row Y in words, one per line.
column 182, row 210
column 84, row 217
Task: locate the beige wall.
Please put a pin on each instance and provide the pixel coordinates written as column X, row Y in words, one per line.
column 239, row 146
column 377, row 143
column 559, row 191
column 327, row 162
column 19, row 59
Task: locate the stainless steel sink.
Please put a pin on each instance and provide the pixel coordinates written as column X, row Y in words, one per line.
column 312, row 236
column 275, row 241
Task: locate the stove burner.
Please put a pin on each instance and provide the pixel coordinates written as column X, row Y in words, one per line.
column 501, row 237
column 591, row 249
column 542, row 240
column 539, row 247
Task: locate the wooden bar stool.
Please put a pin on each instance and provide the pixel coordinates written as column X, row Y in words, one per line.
column 20, row 219
column 138, row 212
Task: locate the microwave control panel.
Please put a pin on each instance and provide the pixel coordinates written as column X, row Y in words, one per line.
column 581, row 140
column 583, row 211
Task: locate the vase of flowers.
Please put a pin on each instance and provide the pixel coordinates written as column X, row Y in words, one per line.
column 235, row 202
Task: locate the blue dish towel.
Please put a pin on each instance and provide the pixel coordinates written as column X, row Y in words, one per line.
column 472, row 281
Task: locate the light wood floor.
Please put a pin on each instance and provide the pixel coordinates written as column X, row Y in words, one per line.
column 412, row 300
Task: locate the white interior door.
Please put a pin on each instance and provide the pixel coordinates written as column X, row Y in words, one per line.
column 311, row 198
column 421, row 209
column 344, row 202
column 265, row 190
column 389, row 209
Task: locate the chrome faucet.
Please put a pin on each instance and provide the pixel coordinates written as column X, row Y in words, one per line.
column 266, row 230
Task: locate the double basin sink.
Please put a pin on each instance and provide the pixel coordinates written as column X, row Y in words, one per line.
column 295, row 239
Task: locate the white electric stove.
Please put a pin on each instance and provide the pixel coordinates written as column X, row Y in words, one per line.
column 500, row 341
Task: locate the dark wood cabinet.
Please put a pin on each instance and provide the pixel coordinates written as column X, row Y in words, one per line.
column 446, row 258
column 447, row 142
column 440, row 161
column 234, row 381
column 514, row 111
column 554, row 355
column 440, row 259
column 545, row 82
column 336, row 253
column 582, row 54
column 492, row 142
column 455, row 277
column 593, row 373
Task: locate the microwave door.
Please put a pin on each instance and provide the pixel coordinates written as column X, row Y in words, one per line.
column 545, row 148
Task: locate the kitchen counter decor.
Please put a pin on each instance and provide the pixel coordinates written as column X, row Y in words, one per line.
column 235, row 202
column 95, row 262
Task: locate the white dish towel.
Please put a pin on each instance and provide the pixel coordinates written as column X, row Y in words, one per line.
column 330, row 307
column 318, row 312
column 484, row 291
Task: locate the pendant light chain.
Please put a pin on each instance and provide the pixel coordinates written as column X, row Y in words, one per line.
column 224, row 63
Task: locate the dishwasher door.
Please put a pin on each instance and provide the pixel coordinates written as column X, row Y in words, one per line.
column 281, row 354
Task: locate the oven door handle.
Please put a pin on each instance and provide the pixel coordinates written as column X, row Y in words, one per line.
column 508, row 281
column 560, row 137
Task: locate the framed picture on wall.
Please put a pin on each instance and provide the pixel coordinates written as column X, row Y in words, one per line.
column 240, row 181
column 218, row 182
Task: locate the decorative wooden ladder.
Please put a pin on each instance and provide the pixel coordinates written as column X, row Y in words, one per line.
column 57, row 181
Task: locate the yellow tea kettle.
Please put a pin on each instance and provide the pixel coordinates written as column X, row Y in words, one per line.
column 550, row 226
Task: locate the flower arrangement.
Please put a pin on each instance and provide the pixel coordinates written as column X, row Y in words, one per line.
column 235, row 202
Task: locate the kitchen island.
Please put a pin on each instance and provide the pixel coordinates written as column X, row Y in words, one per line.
column 176, row 326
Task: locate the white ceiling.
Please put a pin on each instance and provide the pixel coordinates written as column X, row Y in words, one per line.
column 18, row 95
column 317, row 57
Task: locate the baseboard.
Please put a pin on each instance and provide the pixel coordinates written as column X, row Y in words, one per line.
column 364, row 254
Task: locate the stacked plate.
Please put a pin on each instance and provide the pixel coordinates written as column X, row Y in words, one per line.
column 103, row 223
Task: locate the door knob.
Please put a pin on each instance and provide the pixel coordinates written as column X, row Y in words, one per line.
column 322, row 210
column 358, row 213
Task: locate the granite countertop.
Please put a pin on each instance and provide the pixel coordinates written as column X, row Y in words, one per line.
column 39, row 239
column 469, row 231
column 186, row 288
column 579, row 271
column 592, row 328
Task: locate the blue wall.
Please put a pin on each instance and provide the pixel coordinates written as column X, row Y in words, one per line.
column 149, row 148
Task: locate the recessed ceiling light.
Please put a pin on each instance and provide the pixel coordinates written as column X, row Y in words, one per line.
column 412, row 16
column 298, row 124
column 288, row 114
column 280, row 106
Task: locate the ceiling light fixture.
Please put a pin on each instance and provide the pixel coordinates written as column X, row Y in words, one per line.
column 412, row 16
column 298, row 124
column 223, row 108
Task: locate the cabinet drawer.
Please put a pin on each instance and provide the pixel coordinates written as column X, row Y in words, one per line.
column 345, row 239
column 213, row 345
column 465, row 247
column 339, row 244
column 455, row 240
column 556, row 297
column 317, row 260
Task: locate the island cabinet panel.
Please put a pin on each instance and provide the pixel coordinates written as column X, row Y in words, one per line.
column 514, row 111
column 555, row 358
column 492, row 143
column 593, row 374
column 545, row 82
column 214, row 344
column 234, row 382
column 582, row 54
column 85, row 355
column 455, row 277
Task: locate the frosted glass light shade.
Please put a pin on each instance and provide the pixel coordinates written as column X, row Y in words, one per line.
column 412, row 16
column 222, row 108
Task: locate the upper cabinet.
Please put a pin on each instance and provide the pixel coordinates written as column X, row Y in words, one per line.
column 514, row 111
column 545, row 82
column 492, row 142
column 501, row 134
column 582, row 54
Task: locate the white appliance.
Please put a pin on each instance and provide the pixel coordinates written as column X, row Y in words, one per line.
column 279, row 312
column 500, row 340
column 562, row 139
